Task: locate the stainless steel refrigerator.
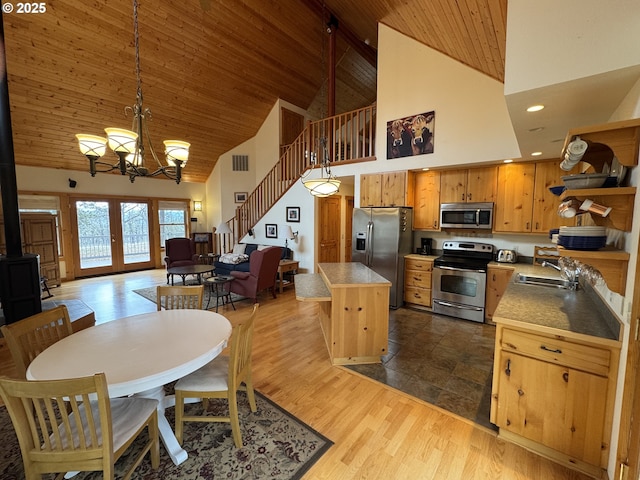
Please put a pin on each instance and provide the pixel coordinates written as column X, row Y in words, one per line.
column 382, row 236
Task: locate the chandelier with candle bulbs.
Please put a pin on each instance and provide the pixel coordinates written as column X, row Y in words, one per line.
column 129, row 145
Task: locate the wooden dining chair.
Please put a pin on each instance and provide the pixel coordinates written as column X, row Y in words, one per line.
column 28, row 337
column 90, row 435
column 171, row 297
column 221, row 378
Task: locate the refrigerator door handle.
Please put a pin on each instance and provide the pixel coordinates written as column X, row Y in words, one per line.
column 369, row 252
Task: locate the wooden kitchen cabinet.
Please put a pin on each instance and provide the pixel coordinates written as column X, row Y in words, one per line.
column 514, row 199
column 545, row 204
column 498, row 277
column 555, row 395
column 417, row 280
column 426, row 212
column 470, row 185
column 390, row 189
column 39, row 236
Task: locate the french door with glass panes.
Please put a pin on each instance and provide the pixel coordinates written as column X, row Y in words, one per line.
column 111, row 235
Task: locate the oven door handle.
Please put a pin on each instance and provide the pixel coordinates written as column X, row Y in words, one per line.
column 460, row 307
column 458, row 269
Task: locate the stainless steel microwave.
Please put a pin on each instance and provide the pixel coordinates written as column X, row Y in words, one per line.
column 466, row 215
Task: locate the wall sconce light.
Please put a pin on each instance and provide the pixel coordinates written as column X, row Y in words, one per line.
column 197, row 206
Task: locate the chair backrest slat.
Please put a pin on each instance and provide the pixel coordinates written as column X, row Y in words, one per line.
column 172, row 297
column 28, row 337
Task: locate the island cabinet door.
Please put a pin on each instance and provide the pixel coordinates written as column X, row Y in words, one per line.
column 552, row 405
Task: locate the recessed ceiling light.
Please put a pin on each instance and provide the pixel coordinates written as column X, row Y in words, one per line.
column 535, row 108
column 536, row 154
column 509, row 160
column 425, row 169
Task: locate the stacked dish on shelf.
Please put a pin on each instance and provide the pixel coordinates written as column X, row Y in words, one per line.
column 582, row 238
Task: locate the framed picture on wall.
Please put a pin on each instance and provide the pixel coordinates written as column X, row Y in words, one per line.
column 271, row 230
column 240, row 197
column 293, row 214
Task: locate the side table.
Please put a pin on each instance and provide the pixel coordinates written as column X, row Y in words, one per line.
column 287, row 266
column 217, row 289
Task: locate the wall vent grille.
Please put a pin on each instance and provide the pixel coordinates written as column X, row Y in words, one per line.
column 240, row 163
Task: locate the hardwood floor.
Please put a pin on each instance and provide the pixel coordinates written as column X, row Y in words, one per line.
column 379, row 432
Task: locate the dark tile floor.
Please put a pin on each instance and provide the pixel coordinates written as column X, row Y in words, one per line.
column 442, row 360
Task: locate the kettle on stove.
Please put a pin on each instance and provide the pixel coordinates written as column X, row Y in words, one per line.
column 507, row 256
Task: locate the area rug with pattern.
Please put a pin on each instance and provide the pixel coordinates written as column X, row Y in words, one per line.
column 276, row 445
column 208, row 299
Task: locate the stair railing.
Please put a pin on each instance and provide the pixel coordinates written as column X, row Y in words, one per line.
column 350, row 137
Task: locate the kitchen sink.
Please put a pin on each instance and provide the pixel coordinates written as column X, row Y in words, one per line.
column 544, row 281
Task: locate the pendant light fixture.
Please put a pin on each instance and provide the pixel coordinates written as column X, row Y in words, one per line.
column 129, row 145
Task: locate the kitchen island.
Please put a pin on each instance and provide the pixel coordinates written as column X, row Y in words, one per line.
column 555, row 372
column 354, row 310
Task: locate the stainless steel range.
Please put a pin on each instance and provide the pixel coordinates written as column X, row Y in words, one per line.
column 460, row 279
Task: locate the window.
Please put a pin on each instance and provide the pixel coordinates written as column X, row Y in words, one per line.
column 173, row 220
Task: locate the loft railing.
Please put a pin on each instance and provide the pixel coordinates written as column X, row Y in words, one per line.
column 350, row 137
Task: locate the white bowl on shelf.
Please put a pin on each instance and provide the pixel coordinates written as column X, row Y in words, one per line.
column 584, row 180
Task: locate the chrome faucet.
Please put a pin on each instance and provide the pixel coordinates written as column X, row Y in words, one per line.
column 552, row 265
column 571, row 275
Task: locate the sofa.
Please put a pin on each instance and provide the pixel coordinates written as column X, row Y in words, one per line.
column 238, row 259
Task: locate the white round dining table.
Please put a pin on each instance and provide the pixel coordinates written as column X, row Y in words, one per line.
column 139, row 355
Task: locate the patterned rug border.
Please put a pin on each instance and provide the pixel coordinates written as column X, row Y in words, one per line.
column 206, row 440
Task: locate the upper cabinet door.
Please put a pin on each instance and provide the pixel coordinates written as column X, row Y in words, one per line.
column 453, row 186
column 481, row 184
column 514, row 200
column 469, row 185
column 426, row 214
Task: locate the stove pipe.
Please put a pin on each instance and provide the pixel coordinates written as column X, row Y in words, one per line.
column 19, row 273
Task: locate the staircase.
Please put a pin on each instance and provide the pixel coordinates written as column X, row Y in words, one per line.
column 350, row 138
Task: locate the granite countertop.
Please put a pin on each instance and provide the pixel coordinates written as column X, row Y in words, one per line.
column 350, row 274
column 579, row 311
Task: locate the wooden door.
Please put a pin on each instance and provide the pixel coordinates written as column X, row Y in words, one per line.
column 426, row 212
column 329, row 235
column 348, row 228
column 514, row 199
column 553, row 405
column 498, row 279
column 291, row 126
column 453, row 186
column 111, row 235
column 371, row 190
column 545, row 203
column 40, row 237
column 481, row 184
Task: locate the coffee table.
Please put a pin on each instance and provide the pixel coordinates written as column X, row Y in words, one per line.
column 217, row 289
column 139, row 355
column 185, row 270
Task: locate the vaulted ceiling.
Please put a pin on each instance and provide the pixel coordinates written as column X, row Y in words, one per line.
column 212, row 69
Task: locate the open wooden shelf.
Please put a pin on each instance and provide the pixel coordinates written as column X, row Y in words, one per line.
column 619, row 139
column 611, row 263
column 620, row 199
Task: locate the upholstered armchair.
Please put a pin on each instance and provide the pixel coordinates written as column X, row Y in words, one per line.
column 263, row 268
column 179, row 252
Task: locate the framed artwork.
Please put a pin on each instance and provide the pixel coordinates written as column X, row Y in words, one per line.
column 293, row 214
column 411, row 135
column 271, row 230
column 240, row 197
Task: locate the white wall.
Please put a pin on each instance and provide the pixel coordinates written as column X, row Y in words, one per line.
column 472, row 124
column 56, row 180
column 551, row 41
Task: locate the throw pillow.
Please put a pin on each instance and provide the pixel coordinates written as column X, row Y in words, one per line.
column 239, row 248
